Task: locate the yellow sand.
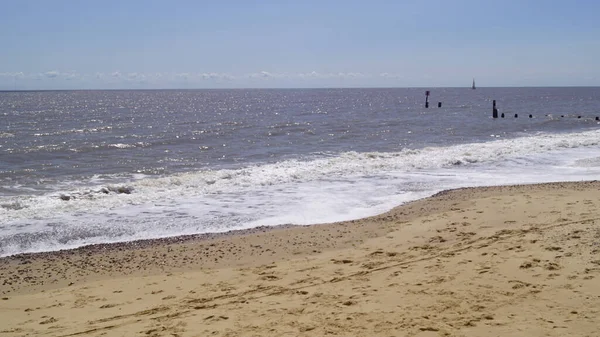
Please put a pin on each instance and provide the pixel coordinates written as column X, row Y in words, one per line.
column 497, row 261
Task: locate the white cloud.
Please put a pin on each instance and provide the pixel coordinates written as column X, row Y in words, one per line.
column 262, row 74
column 199, row 79
column 15, row 74
column 216, row 76
column 390, row 76
column 267, row 75
column 208, row 76
column 339, row 75
column 312, row 74
column 71, row 75
column 130, row 77
column 52, row 74
column 353, row 75
column 227, row 77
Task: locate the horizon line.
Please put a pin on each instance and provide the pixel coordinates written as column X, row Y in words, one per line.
column 297, row 88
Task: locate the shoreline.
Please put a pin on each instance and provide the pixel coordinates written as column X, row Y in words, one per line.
column 146, row 243
column 500, row 260
column 187, row 238
column 349, row 232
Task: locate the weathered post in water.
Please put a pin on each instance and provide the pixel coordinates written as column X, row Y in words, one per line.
column 427, row 99
column 494, row 110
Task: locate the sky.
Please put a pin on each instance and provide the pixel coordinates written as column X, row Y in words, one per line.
column 147, row 44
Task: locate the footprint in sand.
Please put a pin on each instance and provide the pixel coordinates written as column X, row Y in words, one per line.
column 552, row 266
column 49, row 320
column 343, row 261
column 530, row 264
column 554, row 248
column 107, row 306
column 270, row 278
column 216, row 318
column 516, row 284
column 437, row 239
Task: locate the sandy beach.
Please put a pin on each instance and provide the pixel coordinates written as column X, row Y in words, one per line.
column 494, row 261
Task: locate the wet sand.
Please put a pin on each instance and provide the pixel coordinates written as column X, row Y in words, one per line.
column 493, row 261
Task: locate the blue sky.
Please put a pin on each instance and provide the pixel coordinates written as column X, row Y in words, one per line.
column 222, row 44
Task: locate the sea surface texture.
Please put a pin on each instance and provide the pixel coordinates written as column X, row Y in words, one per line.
column 85, row 167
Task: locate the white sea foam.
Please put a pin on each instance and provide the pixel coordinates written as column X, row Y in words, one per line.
column 323, row 189
column 121, row 145
column 70, row 131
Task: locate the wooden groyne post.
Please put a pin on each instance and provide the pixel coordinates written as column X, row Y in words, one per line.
column 494, row 110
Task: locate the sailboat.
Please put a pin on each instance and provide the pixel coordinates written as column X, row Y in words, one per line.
column 473, row 86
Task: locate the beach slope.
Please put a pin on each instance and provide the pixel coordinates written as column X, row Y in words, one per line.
column 493, row 261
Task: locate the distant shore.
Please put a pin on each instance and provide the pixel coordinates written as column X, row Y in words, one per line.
column 500, row 260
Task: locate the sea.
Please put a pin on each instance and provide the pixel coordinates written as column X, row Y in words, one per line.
column 89, row 167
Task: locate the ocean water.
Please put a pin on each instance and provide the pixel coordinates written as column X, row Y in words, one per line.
column 149, row 164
